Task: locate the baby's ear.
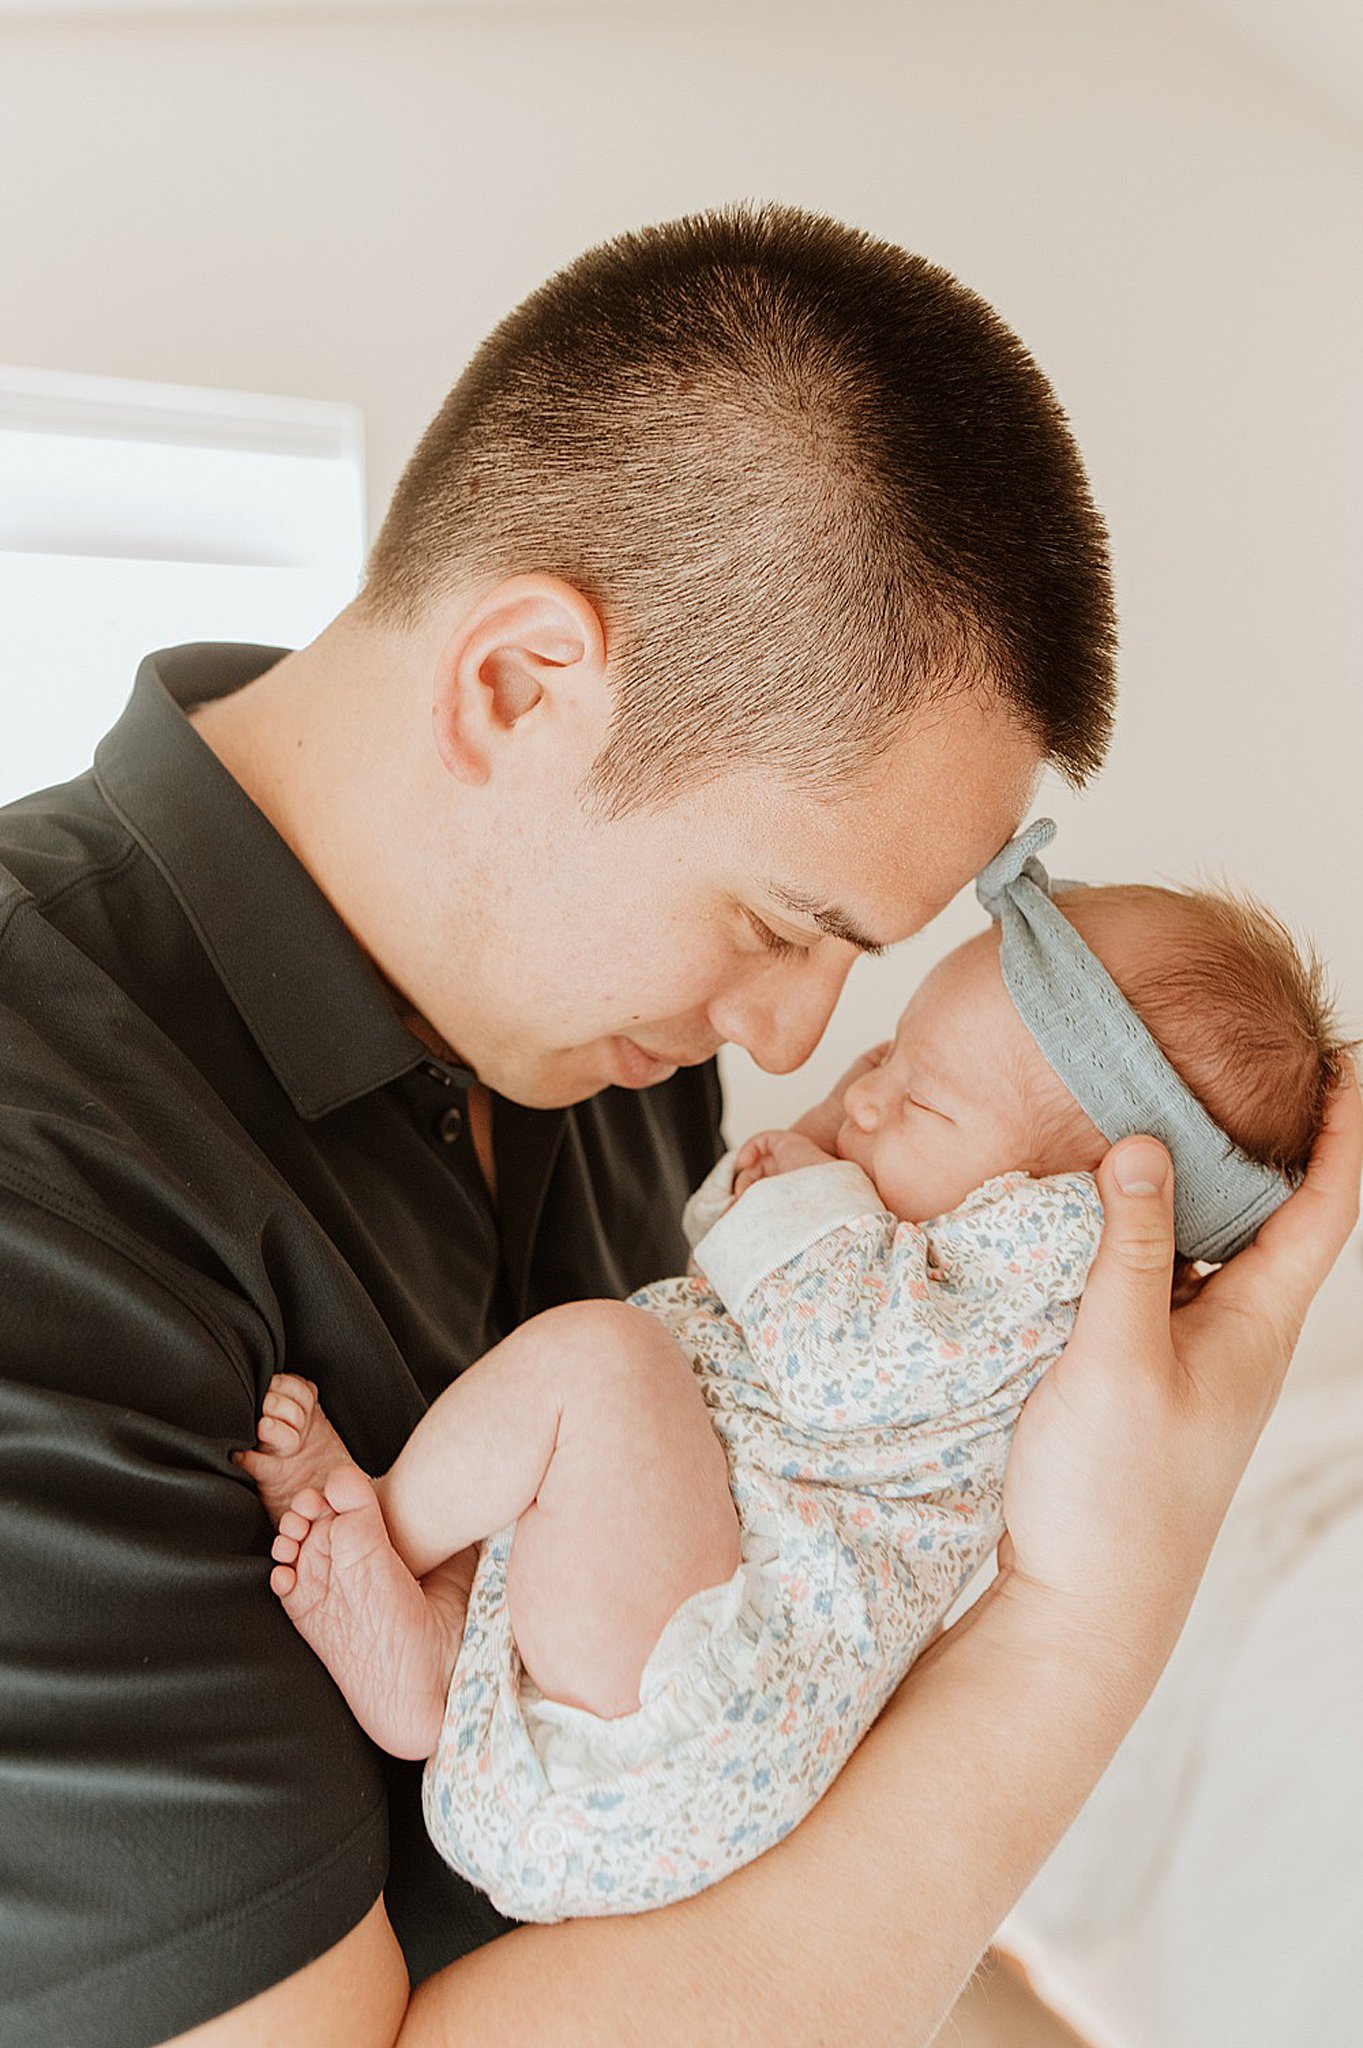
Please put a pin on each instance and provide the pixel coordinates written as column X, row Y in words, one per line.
column 1064, row 1137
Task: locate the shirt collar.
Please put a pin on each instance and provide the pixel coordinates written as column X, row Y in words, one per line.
column 309, row 995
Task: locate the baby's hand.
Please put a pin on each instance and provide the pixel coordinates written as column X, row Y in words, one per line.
column 773, row 1152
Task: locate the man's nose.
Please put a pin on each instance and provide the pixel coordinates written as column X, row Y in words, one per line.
column 779, row 1014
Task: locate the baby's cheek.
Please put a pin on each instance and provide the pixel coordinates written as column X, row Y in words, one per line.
column 905, row 1181
column 934, row 1170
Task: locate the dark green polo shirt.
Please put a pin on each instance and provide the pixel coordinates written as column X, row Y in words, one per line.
column 222, row 1154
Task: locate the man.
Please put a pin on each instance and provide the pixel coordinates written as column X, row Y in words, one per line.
column 362, row 1001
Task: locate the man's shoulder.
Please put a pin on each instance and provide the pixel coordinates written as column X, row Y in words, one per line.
column 104, row 1118
column 58, row 840
column 65, row 862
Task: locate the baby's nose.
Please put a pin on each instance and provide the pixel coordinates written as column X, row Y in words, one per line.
column 862, row 1102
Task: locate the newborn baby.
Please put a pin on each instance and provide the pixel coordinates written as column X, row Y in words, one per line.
column 718, row 1523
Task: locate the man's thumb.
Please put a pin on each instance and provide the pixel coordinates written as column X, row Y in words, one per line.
column 1134, row 1266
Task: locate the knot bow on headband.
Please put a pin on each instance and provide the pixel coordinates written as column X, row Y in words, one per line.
column 1095, row 1042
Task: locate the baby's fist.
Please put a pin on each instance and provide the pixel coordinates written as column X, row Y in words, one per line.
column 773, row 1152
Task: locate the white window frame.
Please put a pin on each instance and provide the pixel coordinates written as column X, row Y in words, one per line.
column 136, row 515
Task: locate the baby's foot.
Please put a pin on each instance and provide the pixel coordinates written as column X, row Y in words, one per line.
column 296, row 1446
column 390, row 1649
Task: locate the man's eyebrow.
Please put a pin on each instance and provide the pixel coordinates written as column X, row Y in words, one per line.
column 827, row 916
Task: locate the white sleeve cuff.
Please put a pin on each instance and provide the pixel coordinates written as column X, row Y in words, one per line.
column 709, row 1201
column 776, row 1220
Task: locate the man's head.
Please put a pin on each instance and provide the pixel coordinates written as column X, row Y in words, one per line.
column 809, row 483
column 750, row 557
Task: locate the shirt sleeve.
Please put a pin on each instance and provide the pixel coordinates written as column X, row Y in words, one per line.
column 747, row 1240
column 188, row 1812
column 865, row 1321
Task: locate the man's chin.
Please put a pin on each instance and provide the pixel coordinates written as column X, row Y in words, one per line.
column 556, row 1080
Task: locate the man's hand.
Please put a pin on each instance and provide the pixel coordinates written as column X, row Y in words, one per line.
column 822, row 1122
column 1129, row 1450
column 773, row 1152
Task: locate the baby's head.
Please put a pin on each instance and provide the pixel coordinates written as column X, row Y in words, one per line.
column 965, row 1092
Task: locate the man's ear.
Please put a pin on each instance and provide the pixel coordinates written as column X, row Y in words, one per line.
column 528, row 660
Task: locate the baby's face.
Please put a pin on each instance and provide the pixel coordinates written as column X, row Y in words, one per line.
column 963, row 1094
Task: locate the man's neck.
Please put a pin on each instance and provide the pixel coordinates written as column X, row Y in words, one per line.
column 277, row 737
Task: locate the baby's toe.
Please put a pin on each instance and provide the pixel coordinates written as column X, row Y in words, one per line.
column 347, row 1489
column 277, row 1434
column 279, row 1401
column 296, row 1526
column 294, row 1387
column 285, row 1549
column 306, row 1506
column 283, row 1579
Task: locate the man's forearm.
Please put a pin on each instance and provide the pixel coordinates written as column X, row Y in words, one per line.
column 865, row 1922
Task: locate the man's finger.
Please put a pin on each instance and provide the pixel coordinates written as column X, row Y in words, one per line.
column 1277, row 1277
column 1301, row 1241
column 1129, row 1284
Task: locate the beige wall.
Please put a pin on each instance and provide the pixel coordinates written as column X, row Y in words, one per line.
column 340, row 204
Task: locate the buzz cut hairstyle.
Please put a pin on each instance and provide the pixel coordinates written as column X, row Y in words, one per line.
column 809, row 482
column 1240, row 1009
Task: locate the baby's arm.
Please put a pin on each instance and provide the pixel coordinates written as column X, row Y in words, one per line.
column 905, row 1321
column 732, row 1175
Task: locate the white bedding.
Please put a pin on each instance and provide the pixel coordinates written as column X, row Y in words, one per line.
column 1212, row 1890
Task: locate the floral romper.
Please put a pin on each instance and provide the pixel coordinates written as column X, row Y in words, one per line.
column 865, row 1376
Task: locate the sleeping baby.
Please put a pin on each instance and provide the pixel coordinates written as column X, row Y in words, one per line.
column 709, row 1529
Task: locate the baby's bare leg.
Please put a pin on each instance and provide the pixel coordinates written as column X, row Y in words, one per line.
column 587, row 1428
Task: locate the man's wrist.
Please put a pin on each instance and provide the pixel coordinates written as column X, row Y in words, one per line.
column 1047, row 1637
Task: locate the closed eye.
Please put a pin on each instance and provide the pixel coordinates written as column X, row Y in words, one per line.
column 783, row 949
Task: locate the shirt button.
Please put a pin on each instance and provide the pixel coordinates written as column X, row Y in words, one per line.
column 450, row 1125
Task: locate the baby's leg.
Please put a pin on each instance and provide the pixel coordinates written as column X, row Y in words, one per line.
column 389, row 1642
column 587, row 1428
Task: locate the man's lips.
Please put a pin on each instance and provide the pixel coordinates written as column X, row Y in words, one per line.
column 641, row 1065
column 638, row 1069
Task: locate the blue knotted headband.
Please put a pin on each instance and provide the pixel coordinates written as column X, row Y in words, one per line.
column 1095, row 1042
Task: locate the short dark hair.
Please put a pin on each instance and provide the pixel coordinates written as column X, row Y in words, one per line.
column 808, row 480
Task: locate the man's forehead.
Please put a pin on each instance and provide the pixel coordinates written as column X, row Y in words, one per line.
column 875, row 889
column 935, row 805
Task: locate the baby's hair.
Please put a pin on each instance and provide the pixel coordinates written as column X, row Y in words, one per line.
column 1240, row 1010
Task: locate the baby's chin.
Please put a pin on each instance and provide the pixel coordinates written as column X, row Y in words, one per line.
column 908, row 1206
column 911, row 1208
column 924, row 1205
